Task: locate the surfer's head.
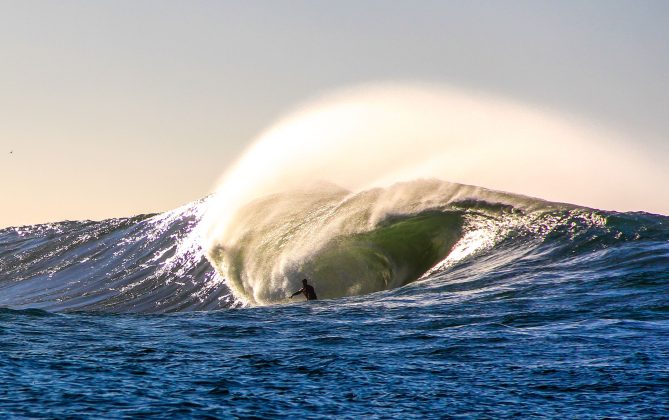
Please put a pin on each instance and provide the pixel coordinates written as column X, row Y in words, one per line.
column 304, row 282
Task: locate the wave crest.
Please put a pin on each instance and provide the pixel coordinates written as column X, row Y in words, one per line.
column 351, row 243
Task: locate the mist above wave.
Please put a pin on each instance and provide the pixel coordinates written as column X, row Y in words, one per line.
column 375, row 136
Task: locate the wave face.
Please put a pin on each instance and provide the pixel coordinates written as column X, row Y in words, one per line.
column 349, row 244
column 427, row 232
column 146, row 263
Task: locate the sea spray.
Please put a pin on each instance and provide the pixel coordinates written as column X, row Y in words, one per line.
column 375, row 136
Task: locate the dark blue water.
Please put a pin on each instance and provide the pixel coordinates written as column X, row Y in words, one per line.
column 126, row 318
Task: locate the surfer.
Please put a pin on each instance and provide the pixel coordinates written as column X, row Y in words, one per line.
column 307, row 290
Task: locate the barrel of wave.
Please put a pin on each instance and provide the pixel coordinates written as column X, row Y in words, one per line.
column 342, row 242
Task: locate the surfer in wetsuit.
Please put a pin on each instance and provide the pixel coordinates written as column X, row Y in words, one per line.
column 307, row 290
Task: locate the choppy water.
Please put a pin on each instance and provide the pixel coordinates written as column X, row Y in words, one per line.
column 533, row 308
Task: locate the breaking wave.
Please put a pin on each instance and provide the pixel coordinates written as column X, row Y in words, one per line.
column 423, row 232
column 386, row 225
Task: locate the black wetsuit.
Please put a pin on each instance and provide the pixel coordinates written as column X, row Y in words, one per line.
column 308, row 292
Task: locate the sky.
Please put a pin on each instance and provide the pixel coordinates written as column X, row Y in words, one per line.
column 115, row 108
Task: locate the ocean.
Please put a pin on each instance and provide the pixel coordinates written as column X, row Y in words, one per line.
column 436, row 300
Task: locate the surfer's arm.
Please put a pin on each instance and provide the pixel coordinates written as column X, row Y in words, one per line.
column 296, row 293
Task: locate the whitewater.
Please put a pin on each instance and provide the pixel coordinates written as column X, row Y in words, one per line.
column 438, row 297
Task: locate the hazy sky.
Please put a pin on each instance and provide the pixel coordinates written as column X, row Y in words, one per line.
column 114, row 108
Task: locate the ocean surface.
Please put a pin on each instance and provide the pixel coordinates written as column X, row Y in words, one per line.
column 436, row 300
